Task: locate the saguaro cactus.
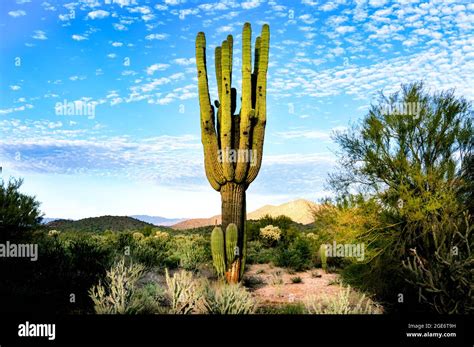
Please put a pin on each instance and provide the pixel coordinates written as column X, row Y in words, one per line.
column 233, row 143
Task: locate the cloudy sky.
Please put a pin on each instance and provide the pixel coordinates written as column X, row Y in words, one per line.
column 135, row 147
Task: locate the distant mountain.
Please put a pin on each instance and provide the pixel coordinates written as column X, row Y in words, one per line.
column 99, row 224
column 298, row 210
column 156, row 220
column 46, row 220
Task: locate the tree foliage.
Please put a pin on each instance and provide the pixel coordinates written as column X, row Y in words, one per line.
column 415, row 171
column 18, row 212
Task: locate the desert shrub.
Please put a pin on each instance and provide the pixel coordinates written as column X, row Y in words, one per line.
column 253, row 227
column 296, row 279
column 342, row 304
column 148, row 299
column 297, row 255
column 270, row 235
column 191, row 251
column 228, row 299
column 445, row 278
column 253, row 282
column 67, row 264
column 276, row 278
column 258, row 254
column 137, row 236
column 115, row 295
column 184, row 293
column 153, row 252
column 290, row 308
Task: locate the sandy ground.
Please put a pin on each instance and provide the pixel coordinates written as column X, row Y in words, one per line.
column 273, row 285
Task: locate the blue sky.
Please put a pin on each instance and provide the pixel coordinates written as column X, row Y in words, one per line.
column 139, row 152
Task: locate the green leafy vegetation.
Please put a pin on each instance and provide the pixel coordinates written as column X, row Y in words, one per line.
column 410, row 175
column 19, row 213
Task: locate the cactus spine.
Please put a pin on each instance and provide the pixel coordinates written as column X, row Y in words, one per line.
column 240, row 134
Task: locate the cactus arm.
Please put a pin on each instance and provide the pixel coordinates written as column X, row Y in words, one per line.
column 225, row 108
column 230, row 41
column 217, row 57
column 261, row 106
column 244, row 131
column 217, row 249
column 214, row 169
column 231, row 237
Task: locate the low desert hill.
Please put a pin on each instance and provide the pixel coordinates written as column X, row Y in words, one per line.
column 99, row 224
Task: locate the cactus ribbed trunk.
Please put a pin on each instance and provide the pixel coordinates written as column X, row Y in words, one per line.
column 233, row 206
column 234, row 211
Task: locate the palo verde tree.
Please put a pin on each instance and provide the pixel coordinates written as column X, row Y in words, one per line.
column 233, row 142
column 409, row 159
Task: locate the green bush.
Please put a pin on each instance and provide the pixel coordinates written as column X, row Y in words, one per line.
column 290, row 308
column 153, row 252
column 296, row 279
column 297, row 255
column 191, row 251
column 257, row 254
column 148, row 299
column 67, row 266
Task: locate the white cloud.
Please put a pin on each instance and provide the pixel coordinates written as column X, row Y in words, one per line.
column 185, row 61
column 117, row 44
column 15, row 87
column 174, row 2
column 307, row 19
column 225, row 29
column 54, row 125
column 345, row 29
column 79, row 37
column 304, row 134
column 98, row 14
column 39, row 35
column 187, row 12
column 17, row 13
column 119, row 27
column 156, row 36
column 156, row 67
column 247, row 5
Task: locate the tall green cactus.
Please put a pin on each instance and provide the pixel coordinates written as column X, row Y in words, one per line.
column 233, row 143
